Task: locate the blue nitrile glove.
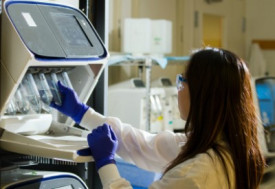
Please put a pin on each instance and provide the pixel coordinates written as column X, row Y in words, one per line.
column 84, row 152
column 71, row 105
column 103, row 144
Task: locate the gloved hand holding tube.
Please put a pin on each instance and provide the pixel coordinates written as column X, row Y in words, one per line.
column 71, row 105
column 102, row 141
column 103, row 144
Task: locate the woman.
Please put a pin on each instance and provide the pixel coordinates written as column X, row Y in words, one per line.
column 219, row 148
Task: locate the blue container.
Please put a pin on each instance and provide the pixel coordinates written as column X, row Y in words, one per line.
column 266, row 100
column 139, row 178
column 265, row 88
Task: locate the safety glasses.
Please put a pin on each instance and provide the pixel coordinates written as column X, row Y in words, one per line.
column 179, row 82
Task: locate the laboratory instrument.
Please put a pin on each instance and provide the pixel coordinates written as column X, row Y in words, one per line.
column 264, row 96
column 265, row 101
column 172, row 119
column 130, row 96
column 23, row 178
column 43, row 43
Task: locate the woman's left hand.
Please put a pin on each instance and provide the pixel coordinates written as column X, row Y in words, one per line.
column 103, row 144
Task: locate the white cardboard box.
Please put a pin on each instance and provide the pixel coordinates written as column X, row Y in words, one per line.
column 143, row 35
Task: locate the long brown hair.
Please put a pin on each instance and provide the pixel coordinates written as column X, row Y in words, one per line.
column 221, row 104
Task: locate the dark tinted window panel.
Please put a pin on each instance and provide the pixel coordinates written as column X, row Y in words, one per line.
column 75, row 34
column 34, row 30
column 50, row 30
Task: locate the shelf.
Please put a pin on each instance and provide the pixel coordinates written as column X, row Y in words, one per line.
column 139, row 60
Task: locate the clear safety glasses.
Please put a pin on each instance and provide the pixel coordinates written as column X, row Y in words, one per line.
column 179, row 82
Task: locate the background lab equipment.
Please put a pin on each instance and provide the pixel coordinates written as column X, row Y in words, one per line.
column 23, row 178
column 172, row 119
column 264, row 87
column 130, row 96
column 40, row 44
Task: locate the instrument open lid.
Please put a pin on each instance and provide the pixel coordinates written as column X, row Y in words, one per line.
column 39, row 38
column 59, row 141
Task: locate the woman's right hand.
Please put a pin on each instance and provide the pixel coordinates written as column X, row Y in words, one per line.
column 71, row 105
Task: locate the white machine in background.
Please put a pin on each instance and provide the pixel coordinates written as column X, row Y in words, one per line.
column 42, row 43
column 172, row 119
column 127, row 100
column 23, row 178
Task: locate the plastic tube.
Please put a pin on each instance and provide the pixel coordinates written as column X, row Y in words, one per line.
column 30, row 92
column 52, row 82
column 66, row 80
column 11, row 109
column 44, row 91
column 22, row 103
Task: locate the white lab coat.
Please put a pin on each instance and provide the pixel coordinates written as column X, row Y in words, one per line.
column 153, row 152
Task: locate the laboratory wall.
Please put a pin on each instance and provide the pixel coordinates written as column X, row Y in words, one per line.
column 188, row 24
column 260, row 26
column 232, row 13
